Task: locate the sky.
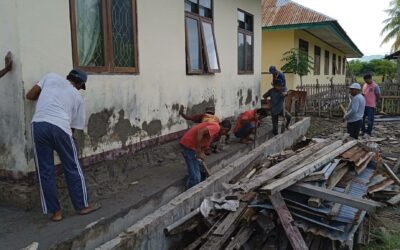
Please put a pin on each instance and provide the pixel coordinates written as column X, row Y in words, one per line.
column 361, row 19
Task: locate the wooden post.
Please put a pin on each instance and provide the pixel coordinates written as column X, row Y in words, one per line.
column 331, row 99
column 292, row 232
column 319, row 99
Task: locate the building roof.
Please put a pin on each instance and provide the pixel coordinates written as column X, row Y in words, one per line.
column 286, row 14
column 392, row 56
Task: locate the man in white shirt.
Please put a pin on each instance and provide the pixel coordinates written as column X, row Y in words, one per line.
column 59, row 110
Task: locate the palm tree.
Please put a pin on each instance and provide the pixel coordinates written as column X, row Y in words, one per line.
column 392, row 25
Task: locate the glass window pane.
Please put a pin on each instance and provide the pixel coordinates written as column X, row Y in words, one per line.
column 249, row 22
column 249, row 53
column 205, row 12
column 240, row 16
column 191, row 6
column 210, row 46
column 241, row 51
column 122, row 33
column 89, row 33
column 193, row 43
column 206, row 3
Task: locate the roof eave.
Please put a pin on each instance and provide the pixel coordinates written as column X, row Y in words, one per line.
column 333, row 26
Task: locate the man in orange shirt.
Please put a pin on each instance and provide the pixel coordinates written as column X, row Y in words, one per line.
column 247, row 122
column 195, row 141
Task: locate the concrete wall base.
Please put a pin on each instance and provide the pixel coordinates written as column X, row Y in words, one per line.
column 148, row 232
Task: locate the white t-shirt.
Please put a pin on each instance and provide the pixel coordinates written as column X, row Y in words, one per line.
column 59, row 103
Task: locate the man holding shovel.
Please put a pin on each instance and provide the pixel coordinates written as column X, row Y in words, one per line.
column 195, row 141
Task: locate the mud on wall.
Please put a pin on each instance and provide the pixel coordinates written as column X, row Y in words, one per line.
column 12, row 136
column 130, row 108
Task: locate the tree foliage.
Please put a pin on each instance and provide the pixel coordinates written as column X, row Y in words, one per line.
column 297, row 62
column 392, row 25
column 376, row 67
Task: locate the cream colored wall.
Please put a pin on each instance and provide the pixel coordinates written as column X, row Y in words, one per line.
column 274, row 44
column 322, row 78
column 12, row 135
column 124, row 109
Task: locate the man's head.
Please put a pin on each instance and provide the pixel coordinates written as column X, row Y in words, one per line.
column 272, row 69
column 261, row 113
column 225, row 127
column 368, row 78
column 277, row 83
column 210, row 110
column 78, row 78
column 355, row 88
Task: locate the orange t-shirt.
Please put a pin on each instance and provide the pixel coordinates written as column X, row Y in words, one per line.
column 246, row 115
column 189, row 138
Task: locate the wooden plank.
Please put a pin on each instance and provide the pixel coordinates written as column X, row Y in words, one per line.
column 394, row 200
column 275, row 170
column 240, row 238
column 397, row 166
column 296, row 176
column 229, row 220
column 390, row 172
column 334, row 196
column 332, row 182
column 336, row 207
column 292, row 232
column 322, row 152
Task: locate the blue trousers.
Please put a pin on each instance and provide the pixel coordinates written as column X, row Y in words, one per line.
column 193, row 166
column 47, row 138
column 370, row 113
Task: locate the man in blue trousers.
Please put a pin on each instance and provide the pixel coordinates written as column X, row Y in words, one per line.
column 59, row 110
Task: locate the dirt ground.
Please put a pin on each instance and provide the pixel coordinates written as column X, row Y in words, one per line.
column 384, row 226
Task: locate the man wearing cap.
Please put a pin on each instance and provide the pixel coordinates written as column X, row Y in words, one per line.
column 355, row 111
column 277, row 75
column 59, row 110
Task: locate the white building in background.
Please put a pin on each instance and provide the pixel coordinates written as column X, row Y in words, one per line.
column 145, row 58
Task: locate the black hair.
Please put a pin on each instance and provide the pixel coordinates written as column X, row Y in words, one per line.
column 226, row 124
column 367, row 76
column 262, row 112
column 74, row 79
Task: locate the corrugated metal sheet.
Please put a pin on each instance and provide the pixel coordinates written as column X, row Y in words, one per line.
column 284, row 12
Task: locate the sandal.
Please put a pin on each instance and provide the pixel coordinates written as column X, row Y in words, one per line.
column 90, row 209
column 57, row 216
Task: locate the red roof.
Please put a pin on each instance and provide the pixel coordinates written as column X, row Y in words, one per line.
column 284, row 12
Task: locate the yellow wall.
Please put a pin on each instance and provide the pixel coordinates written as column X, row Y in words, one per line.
column 322, row 78
column 275, row 43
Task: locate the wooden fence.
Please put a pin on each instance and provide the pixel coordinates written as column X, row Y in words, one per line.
column 325, row 99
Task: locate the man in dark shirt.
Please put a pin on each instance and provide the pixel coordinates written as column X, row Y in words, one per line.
column 277, row 75
column 277, row 96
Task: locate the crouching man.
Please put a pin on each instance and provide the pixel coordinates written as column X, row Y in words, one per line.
column 195, row 141
column 59, row 110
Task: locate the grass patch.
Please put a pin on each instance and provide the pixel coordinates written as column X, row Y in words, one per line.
column 385, row 241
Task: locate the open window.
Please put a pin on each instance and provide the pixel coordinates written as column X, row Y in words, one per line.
column 201, row 47
column 326, row 63
column 317, row 60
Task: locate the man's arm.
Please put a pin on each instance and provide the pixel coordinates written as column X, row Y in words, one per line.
column 34, row 93
column 7, row 64
column 352, row 108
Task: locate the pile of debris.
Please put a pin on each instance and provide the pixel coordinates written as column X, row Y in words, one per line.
column 314, row 197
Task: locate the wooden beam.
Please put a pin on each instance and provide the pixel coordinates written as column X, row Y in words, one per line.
column 296, row 176
column 332, row 182
column 390, row 172
column 240, row 238
column 291, row 230
column 229, row 220
column 394, row 200
column 334, row 196
column 277, row 169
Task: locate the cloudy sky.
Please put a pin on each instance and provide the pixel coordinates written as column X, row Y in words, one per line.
column 361, row 19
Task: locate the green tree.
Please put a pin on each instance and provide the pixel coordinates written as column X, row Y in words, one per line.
column 392, row 25
column 297, row 62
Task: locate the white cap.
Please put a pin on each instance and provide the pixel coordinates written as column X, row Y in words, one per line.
column 355, row 86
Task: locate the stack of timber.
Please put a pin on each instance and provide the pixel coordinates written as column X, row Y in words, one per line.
column 314, row 197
